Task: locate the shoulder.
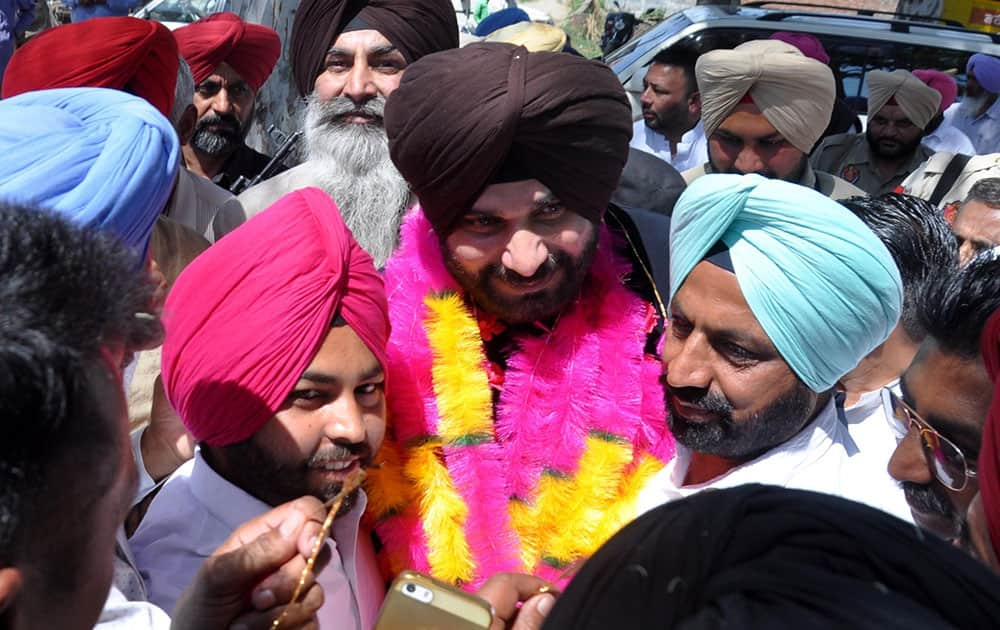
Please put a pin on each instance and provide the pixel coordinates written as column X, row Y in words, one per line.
column 256, row 199
column 837, row 188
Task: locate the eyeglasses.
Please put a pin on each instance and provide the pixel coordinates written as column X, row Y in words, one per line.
column 946, row 461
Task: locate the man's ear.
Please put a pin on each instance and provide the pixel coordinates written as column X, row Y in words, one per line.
column 694, row 103
column 185, row 126
column 10, row 588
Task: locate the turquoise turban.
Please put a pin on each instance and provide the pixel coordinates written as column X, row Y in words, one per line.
column 103, row 158
column 822, row 285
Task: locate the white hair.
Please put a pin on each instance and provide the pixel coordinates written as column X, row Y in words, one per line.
column 351, row 163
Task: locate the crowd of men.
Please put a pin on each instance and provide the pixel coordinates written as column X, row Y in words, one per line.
column 542, row 328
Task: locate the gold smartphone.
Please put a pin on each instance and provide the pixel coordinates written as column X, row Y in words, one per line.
column 419, row 602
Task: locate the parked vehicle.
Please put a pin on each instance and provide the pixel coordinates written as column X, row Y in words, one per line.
column 177, row 13
column 856, row 43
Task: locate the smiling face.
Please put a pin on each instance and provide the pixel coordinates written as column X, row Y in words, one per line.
column 332, row 422
column 729, row 391
column 746, row 142
column 361, row 65
column 952, row 394
column 519, row 252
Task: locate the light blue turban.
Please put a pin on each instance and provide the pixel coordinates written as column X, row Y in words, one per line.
column 822, row 285
column 103, row 158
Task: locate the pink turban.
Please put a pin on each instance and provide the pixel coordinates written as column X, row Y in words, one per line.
column 942, row 82
column 808, row 45
column 246, row 318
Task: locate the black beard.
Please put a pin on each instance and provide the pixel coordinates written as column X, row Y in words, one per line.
column 219, row 142
column 931, row 499
column 903, row 149
column 531, row 307
column 257, row 472
column 744, row 439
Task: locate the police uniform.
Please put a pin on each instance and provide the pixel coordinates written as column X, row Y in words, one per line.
column 848, row 156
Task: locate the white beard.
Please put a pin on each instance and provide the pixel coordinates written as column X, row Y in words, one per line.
column 351, row 163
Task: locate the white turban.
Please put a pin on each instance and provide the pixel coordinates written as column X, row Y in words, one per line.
column 918, row 100
column 795, row 93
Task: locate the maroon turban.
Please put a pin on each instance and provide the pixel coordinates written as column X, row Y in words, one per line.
column 463, row 118
column 121, row 53
column 246, row 318
column 415, row 27
column 942, row 82
column 989, row 456
column 251, row 49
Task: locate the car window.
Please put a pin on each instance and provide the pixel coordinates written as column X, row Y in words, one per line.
column 182, row 10
column 850, row 58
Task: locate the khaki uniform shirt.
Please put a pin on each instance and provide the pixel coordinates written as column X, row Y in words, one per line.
column 832, row 187
column 848, row 156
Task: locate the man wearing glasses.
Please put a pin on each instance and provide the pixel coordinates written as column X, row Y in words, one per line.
column 946, row 395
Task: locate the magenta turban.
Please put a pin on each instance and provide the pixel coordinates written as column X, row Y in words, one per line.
column 942, row 82
column 247, row 317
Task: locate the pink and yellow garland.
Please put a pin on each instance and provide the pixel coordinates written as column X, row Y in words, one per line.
column 579, row 426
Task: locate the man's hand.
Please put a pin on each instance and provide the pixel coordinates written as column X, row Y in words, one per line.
column 505, row 590
column 250, row 577
column 165, row 443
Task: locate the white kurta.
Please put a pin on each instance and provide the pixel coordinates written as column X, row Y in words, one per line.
column 692, row 150
column 822, row 457
column 949, row 139
column 196, row 510
column 984, row 131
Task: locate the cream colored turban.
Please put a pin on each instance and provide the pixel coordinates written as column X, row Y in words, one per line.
column 535, row 36
column 918, row 100
column 795, row 93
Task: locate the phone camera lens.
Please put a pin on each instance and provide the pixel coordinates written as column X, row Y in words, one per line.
column 410, row 588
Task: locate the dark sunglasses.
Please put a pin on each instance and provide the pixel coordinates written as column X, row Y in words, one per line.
column 946, row 461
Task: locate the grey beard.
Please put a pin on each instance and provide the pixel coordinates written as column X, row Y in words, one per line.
column 971, row 106
column 211, row 143
column 351, row 163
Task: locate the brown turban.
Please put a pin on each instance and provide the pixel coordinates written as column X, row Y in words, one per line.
column 795, row 93
column 461, row 118
column 415, row 27
column 918, row 100
column 251, row 49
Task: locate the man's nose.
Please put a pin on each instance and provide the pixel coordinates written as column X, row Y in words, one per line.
column 344, row 422
column 687, row 361
column 526, row 252
column 908, row 462
column 222, row 104
column 748, row 161
column 360, row 86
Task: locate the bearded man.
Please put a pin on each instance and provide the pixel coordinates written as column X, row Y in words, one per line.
column 289, row 414
column 347, row 57
column 900, row 108
column 525, row 402
column 230, row 60
column 978, row 113
column 764, row 105
column 770, row 306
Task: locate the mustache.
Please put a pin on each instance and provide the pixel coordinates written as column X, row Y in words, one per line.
column 340, row 452
column 333, row 112
column 928, row 499
column 546, row 269
column 221, row 119
column 701, row 399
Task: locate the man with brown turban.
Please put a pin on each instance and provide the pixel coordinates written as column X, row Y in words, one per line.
column 764, row 105
column 230, row 60
column 347, row 57
column 525, row 401
column 900, row 107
